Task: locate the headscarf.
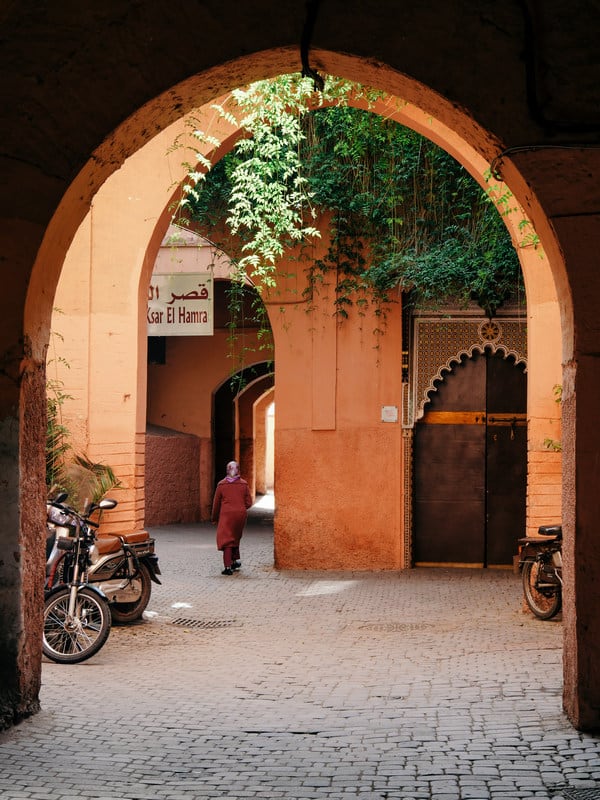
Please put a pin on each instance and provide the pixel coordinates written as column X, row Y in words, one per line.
column 233, row 472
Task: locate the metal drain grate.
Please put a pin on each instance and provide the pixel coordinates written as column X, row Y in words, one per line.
column 395, row 627
column 186, row 622
column 571, row 793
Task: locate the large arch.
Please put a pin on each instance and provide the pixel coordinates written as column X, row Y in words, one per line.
column 126, row 227
column 463, row 67
column 114, row 235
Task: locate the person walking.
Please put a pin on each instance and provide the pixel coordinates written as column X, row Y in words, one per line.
column 229, row 511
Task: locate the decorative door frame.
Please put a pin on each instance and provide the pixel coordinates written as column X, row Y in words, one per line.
column 436, row 342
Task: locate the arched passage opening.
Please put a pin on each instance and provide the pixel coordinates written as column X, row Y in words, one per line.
column 252, row 432
column 38, row 319
column 233, row 421
column 325, row 357
column 264, row 442
column 197, row 354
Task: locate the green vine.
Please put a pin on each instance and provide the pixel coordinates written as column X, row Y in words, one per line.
column 58, row 446
column 404, row 215
column 554, row 444
column 84, row 481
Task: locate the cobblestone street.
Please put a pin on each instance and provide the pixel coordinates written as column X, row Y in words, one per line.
column 266, row 684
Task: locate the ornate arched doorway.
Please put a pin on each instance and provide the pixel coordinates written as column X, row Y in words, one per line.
column 471, row 465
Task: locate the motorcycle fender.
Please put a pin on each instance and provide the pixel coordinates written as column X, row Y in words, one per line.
column 61, row 586
column 151, row 562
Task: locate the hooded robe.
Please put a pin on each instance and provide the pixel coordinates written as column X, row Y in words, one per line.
column 230, row 509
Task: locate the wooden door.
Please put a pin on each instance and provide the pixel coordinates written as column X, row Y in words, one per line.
column 506, row 459
column 470, row 466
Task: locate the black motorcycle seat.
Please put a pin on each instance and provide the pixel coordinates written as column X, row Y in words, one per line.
column 537, row 540
column 550, row 530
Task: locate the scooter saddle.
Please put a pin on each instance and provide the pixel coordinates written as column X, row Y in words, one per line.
column 550, row 530
column 107, row 543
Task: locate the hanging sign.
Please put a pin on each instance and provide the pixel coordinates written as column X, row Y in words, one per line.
column 180, row 304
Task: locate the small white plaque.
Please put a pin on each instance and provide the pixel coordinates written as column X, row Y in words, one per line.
column 389, row 413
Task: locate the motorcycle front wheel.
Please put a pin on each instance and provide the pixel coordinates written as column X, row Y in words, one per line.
column 129, row 612
column 69, row 640
column 545, row 603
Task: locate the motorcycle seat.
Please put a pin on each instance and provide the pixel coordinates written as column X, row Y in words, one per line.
column 537, row 540
column 107, row 543
column 550, row 530
column 136, row 537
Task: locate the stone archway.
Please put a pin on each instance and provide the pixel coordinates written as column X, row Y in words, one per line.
column 542, row 180
column 108, row 249
column 120, row 237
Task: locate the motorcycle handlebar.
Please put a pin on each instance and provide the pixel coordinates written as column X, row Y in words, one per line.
column 84, row 518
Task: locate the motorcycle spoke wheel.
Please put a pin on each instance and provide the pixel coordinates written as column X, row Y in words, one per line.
column 71, row 640
column 544, row 604
column 122, row 613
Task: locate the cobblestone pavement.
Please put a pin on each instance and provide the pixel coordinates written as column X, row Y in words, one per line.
column 311, row 686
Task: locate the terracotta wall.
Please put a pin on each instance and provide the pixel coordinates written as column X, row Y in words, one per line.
column 338, row 467
column 544, row 409
column 172, row 477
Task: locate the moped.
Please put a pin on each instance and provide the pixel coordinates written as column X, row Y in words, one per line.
column 540, row 561
column 77, row 618
column 121, row 567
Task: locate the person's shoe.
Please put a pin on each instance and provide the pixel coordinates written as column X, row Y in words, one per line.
column 227, row 571
column 236, row 565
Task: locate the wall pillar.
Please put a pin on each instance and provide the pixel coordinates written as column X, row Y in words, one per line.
column 338, row 469
column 22, row 549
column 22, row 488
column 581, row 498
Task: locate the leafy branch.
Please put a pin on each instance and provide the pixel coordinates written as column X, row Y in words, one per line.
column 405, row 216
column 84, row 481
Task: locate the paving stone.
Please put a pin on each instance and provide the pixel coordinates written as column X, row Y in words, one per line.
column 418, row 685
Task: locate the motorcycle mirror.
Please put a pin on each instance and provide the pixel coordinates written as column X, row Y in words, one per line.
column 107, row 503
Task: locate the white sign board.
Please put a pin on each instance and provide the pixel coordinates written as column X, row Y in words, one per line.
column 180, row 304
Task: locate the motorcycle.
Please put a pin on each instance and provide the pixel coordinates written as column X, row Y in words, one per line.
column 540, row 562
column 121, row 567
column 77, row 618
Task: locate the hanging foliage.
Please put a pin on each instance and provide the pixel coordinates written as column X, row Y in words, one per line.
column 404, row 214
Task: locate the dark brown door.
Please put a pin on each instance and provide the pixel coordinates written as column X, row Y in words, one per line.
column 470, row 466
column 506, row 459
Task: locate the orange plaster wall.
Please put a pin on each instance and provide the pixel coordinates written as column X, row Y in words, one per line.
column 544, row 373
column 180, row 391
column 102, row 290
column 338, row 468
